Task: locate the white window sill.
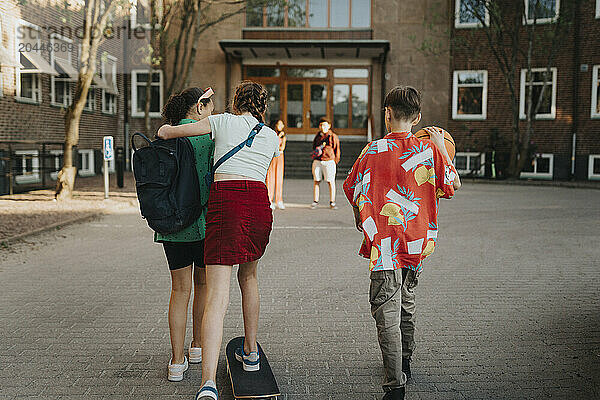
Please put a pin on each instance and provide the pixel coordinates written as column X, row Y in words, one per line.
column 469, row 117
column 85, row 173
column 533, row 175
column 27, row 100
column 541, row 21
column 58, row 105
column 595, row 116
column 108, row 112
column 468, row 25
column 25, row 179
column 540, row 117
column 141, row 115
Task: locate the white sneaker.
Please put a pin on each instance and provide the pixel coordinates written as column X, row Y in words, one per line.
column 176, row 371
column 195, row 354
column 208, row 391
column 280, row 205
column 314, row 205
column 272, row 206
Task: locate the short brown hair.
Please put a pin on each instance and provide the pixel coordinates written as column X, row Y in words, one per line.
column 404, row 101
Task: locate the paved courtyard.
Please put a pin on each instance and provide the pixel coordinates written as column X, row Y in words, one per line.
column 508, row 306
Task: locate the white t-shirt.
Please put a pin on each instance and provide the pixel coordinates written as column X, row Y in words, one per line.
column 228, row 131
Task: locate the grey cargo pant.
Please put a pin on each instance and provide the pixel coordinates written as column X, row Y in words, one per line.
column 392, row 301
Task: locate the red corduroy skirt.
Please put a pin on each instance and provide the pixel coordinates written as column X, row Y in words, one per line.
column 238, row 222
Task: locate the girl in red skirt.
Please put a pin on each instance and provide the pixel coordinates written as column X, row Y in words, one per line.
column 238, row 223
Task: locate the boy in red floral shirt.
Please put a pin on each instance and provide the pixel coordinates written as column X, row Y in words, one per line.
column 394, row 187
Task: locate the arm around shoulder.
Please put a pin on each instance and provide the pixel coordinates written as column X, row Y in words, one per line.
column 198, row 128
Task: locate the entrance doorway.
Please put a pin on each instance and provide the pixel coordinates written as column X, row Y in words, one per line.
column 301, row 96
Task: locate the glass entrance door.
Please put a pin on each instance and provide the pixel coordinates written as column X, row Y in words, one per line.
column 307, row 103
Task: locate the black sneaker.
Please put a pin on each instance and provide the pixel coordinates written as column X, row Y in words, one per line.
column 406, row 367
column 395, row 394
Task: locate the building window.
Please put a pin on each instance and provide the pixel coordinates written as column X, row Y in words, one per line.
column 543, row 11
column 86, row 163
column 541, row 167
column 32, row 63
column 469, row 95
column 597, row 8
column 57, row 157
column 139, row 78
column 548, row 105
column 63, row 85
column 594, row 167
column 350, row 106
column 108, row 74
column 596, row 91
column 470, row 163
column 141, row 15
column 469, row 13
column 27, row 166
column 312, row 14
column 90, row 102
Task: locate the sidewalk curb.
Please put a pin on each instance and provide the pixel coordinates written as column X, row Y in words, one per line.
column 563, row 184
column 56, row 225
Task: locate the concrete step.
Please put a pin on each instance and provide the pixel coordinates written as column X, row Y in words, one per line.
column 298, row 162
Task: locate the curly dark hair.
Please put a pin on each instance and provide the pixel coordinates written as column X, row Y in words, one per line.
column 179, row 105
column 250, row 97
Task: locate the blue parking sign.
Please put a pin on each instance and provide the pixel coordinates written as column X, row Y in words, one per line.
column 108, row 148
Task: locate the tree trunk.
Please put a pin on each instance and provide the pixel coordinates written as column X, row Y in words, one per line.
column 66, row 177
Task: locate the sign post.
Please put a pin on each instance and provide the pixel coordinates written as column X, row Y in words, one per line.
column 108, row 150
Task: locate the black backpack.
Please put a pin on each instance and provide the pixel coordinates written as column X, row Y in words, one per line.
column 166, row 182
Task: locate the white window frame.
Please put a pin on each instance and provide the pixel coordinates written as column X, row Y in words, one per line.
column 522, row 111
column 68, row 94
column 90, row 170
column 34, row 177
column 595, row 82
column 57, row 165
column 455, row 114
column 469, row 155
column 134, row 103
column 110, row 109
column 133, row 15
column 591, row 175
column 597, row 8
column 459, row 25
column 37, row 78
column 540, row 175
column 90, row 105
column 541, row 20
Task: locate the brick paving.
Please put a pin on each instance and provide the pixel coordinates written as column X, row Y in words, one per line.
column 507, row 306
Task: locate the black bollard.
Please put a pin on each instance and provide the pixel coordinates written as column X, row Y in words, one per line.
column 119, row 165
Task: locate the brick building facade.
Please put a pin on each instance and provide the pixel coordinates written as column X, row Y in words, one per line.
column 327, row 58
column 480, row 109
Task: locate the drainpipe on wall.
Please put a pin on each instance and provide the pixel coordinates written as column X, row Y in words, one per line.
column 383, row 92
column 227, row 80
column 576, row 63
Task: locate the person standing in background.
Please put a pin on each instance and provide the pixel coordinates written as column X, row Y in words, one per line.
column 326, row 155
column 275, row 172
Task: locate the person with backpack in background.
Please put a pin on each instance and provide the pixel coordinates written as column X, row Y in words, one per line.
column 184, row 250
column 275, row 171
column 238, row 223
column 326, row 155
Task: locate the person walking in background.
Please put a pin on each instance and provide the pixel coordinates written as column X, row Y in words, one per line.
column 184, row 250
column 275, row 172
column 326, row 154
column 397, row 213
column 238, row 222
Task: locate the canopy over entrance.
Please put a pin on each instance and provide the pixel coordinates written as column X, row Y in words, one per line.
column 295, row 49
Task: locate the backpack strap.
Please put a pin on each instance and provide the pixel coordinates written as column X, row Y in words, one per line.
column 248, row 142
column 133, row 146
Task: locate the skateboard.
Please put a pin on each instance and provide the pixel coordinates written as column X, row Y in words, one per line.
column 259, row 384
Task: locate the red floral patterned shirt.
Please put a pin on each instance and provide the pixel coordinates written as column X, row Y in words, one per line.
column 396, row 183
